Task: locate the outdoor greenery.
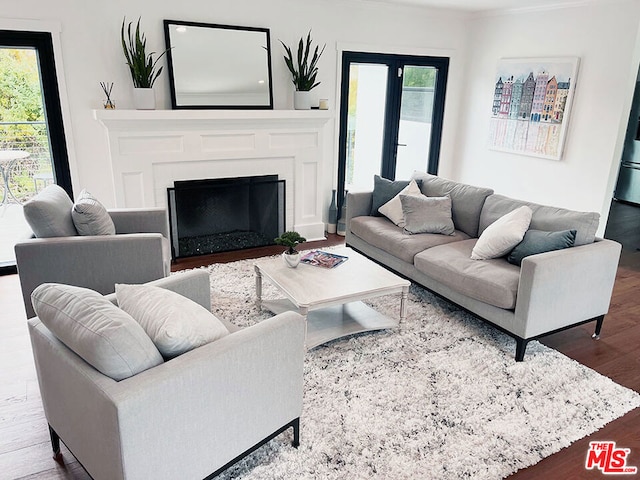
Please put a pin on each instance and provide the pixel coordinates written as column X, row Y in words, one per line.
column 22, row 120
column 144, row 69
column 303, row 71
column 291, row 240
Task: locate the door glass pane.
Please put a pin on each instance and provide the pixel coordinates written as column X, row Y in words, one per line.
column 365, row 124
column 25, row 154
column 416, row 118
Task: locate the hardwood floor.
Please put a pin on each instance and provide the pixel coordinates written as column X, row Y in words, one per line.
column 24, row 443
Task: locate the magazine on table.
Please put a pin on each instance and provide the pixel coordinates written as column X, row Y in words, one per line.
column 319, row 258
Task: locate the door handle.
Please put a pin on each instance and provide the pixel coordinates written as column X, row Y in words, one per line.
column 401, row 144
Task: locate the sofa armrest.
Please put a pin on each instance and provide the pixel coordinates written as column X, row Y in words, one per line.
column 140, row 220
column 567, row 286
column 96, row 262
column 358, row 204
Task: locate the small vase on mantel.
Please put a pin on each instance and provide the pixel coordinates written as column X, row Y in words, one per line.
column 333, row 214
column 302, row 100
column 144, row 99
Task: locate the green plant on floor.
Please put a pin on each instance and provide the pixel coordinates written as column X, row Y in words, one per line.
column 304, row 71
column 290, row 240
column 143, row 67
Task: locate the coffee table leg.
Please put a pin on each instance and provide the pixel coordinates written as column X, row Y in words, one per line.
column 403, row 306
column 258, row 288
column 305, row 312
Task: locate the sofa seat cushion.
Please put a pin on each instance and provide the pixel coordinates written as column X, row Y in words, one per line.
column 493, row 281
column 382, row 233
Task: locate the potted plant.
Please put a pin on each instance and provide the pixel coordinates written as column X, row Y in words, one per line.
column 144, row 69
column 291, row 240
column 303, row 70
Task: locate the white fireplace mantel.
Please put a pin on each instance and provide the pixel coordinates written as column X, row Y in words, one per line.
column 151, row 149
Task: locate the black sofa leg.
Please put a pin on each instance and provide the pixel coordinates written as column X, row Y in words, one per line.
column 55, row 445
column 296, row 432
column 521, row 346
column 599, row 322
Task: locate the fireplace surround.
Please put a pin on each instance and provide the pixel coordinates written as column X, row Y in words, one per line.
column 150, row 150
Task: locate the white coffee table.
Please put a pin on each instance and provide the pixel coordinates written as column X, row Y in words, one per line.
column 330, row 299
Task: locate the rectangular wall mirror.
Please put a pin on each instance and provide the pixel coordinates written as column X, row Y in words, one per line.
column 218, row 66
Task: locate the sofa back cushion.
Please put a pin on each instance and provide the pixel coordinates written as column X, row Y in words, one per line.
column 466, row 200
column 49, row 213
column 95, row 329
column 549, row 219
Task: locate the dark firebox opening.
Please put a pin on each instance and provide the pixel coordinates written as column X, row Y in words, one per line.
column 220, row 215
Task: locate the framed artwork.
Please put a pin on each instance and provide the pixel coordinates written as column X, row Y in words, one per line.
column 532, row 104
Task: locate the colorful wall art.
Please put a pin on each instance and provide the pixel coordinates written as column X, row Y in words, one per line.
column 531, row 105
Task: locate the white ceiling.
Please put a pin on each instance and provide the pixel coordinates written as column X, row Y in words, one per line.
column 492, row 5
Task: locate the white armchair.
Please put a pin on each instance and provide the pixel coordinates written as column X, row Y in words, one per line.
column 185, row 418
column 139, row 251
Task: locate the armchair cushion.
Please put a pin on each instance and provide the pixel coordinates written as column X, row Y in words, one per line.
column 90, row 217
column 100, row 333
column 49, row 213
column 175, row 323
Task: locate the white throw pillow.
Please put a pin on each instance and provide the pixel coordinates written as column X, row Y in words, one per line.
column 95, row 329
column 503, row 235
column 90, row 217
column 393, row 208
column 175, row 323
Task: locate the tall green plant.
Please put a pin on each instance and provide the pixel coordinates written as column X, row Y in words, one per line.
column 304, row 71
column 142, row 65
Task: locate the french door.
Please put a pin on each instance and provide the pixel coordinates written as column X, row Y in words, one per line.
column 33, row 149
column 391, row 112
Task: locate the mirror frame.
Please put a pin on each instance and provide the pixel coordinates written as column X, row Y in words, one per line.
column 172, row 74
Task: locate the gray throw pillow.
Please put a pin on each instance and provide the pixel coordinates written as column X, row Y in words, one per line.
column 383, row 191
column 49, row 213
column 175, row 323
column 537, row 241
column 95, row 329
column 90, row 217
column 427, row 214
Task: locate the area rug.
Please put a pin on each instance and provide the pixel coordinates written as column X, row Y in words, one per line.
column 441, row 398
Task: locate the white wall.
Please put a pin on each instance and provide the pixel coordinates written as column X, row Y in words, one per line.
column 90, row 43
column 605, row 39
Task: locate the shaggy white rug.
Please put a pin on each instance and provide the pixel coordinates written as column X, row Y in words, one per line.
column 443, row 398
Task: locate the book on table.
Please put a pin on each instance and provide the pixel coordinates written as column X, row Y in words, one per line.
column 319, row 258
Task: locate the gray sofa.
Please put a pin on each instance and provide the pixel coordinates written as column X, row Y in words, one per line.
column 549, row 292
column 184, row 418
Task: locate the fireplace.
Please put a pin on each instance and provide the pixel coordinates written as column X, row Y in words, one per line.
column 224, row 214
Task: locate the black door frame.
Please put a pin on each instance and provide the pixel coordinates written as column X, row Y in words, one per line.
column 392, row 110
column 43, row 43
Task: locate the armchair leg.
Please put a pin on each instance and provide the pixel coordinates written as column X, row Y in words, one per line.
column 296, row 432
column 55, row 445
column 599, row 322
column 521, row 346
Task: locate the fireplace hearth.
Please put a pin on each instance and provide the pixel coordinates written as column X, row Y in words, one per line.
column 220, row 215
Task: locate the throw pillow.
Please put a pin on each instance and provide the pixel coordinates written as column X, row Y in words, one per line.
column 49, row 213
column 90, row 217
column 175, row 323
column 393, row 208
column 501, row 236
column 427, row 214
column 537, row 241
column 100, row 333
column 383, row 191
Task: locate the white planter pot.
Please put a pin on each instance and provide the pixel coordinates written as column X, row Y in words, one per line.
column 291, row 261
column 144, row 99
column 301, row 100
